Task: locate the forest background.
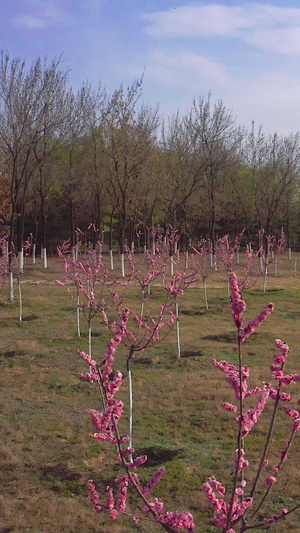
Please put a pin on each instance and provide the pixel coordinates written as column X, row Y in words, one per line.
column 112, row 167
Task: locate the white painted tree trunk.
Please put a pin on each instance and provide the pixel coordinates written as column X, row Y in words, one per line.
column 132, row 246
column 122, row 261
column 295, row 266
column 171, row 265
column 213, row 262
column 186, row 265
column 130, row 391
column 265, row 278
column 237, row 257
column 290, row 254
column 11, row 286
column 111, row 259
column 276, row 267
column 20, row 302
column 78, row 316
column 178, row 331
column 33, row 254
column 90, row 343
column 205, row 294
column 21, row 260
column 45, row 262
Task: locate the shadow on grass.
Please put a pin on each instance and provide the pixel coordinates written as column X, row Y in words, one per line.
column 62, row 480
column 193, row 312
column 12, row 353
column 158, row 455
column 191, row 353
column 29, row 318
column 222, row 337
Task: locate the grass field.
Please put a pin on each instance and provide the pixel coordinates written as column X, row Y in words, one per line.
column 47, row 455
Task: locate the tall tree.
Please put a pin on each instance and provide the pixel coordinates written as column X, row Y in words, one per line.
column 130, row 138
column 217, row 141
column 275, row 166
column 29, row 111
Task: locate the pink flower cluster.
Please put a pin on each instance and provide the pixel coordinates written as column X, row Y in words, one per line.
column 177, row 520
column 233, row 378
column 239, row 506
column 106, row 423
column 111, row 506
column 238, row 306
column 250, row 418
column 275, row 517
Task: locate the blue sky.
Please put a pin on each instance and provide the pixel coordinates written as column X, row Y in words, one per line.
column 245, row 53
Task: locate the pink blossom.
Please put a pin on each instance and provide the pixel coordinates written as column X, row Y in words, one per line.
column 250, row 417
column 229, row 407
column 241, row 508
column 138, row 461
column 238, row 305
column 158, row 506
column 154, row 481
column 216, row 485
column 254, row 324
column 271, row 480
column 253, row 392
column 178, row 520
column 296, row 425
column 291, row 412
column 110, row 502
column 94, row 497
column 287, row 380
column 87, row 358
column 122, row 497
column 285, row 397
column 216, row 503
column 243, row 463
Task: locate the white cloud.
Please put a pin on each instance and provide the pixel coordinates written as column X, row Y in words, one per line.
column 29, row 22
column 271, row 99
column 263, row 25
column 193, row 21
column 280, row 40
column 40, row 14
column 181, row 69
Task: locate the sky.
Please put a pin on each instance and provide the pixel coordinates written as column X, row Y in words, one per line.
column 246, row 54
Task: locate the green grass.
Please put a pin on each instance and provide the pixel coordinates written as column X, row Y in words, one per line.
column 46, row 453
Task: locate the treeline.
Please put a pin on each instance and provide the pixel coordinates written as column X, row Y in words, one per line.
column 113, row 167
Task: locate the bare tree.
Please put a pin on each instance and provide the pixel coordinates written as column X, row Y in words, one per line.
column 130, row 137
column 217, row 140
column 183, row 174
column 275, row 165
column 27, row 97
